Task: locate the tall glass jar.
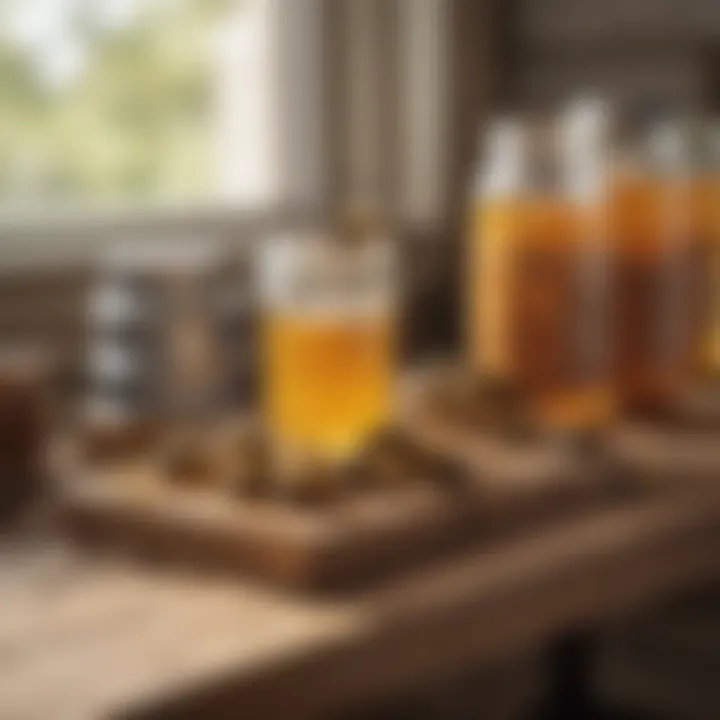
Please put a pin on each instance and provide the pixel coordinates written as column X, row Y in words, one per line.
column 538, row 276
column 496, row 205
column 706, row 209
column 329, row 341
column 660, row 234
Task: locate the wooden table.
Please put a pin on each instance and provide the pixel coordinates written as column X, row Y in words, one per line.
column 84, row 639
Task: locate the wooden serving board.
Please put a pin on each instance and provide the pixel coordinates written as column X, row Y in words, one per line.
column 678, row 450
column 517, row 480
column 661, row 455
column 303, row 546
column 341, row 543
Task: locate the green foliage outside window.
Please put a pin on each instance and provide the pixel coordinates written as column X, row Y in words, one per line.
column 134, row 124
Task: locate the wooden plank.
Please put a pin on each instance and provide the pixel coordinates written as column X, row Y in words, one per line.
column 482, row 607
column 116, row 633
column 480, row 597
column 159, row 645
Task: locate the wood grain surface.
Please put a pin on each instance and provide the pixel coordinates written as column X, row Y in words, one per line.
column 97, row 639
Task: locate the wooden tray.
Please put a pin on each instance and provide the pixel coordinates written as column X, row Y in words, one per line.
column 682, row 449
column 514, row 478
column 328, row 545
column 661, row 455
column 341, row 543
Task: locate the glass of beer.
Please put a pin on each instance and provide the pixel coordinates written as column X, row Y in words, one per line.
column 538, row 306
column 329, row 341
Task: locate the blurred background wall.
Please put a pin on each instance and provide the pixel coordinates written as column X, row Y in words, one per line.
column 226, row 119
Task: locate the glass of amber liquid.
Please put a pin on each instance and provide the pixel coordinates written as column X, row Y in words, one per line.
column 705, row 216
column 328, row 342
column 538, row 285
column 661, row 236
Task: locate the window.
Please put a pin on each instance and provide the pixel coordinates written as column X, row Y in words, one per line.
column 135, row 101
column 263, row 104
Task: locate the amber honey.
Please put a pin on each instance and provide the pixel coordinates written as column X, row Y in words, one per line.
column 328, row 379
column 538, row 305
column 661, row 266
